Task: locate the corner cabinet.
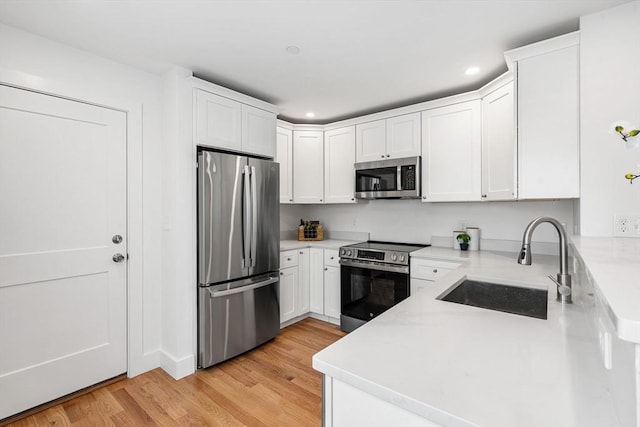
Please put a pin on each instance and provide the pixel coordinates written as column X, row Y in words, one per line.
column 284, row 156
column 339, row 157
column 451, row 163
column 391, row 138
column 547, row 87
column 499, row 144
column 308, row 167
column 222, row 122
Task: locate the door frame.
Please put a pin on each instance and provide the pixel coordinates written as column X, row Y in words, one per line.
column 137, row 361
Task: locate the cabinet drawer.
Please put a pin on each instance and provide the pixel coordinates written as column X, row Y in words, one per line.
column 331, row 258
column 431, row 269
column 288, row 259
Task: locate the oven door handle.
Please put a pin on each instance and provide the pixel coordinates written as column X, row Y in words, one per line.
column 372, row 266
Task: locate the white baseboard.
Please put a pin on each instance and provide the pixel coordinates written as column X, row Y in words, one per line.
column 177, row 368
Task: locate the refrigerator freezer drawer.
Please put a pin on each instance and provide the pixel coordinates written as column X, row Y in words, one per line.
column 237, row 319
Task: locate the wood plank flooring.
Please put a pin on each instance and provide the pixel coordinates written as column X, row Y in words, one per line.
column 273, row 385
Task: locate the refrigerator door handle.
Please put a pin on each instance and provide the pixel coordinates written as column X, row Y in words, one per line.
column 218, row 294
column 254, row 216
column 246, row 219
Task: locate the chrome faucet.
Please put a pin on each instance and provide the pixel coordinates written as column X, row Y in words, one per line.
column 563, row 279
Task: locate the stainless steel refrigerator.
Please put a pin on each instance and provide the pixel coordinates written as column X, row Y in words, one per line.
column 238, row 254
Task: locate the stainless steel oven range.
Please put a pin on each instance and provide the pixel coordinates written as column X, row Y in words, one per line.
column 374, row 276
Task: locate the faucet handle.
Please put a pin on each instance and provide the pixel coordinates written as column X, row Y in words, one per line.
column 564, row 290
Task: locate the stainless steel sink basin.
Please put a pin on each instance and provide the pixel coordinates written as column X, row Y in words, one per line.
column 494, row 296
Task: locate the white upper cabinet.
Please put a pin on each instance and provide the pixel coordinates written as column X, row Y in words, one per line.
column 258, row 131
column 222, row 122
column 339, row 157
column 308, row 167
column 548, row 118
column 499, row 144
column 451, row 161
column 391, row 138
column 371, row 141
column 218, row 121
column 284, row 156
column 403, row 136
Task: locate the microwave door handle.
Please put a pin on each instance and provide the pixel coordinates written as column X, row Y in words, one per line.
column 399, row 178
column 246, row 218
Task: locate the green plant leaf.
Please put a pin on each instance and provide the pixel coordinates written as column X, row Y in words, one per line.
column 634, row 132
column 619, row 128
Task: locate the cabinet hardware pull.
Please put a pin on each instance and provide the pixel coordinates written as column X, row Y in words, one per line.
column 435, row 270
column 325, row 269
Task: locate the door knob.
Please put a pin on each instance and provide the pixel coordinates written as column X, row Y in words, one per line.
column 116, row 239
column 118, row 258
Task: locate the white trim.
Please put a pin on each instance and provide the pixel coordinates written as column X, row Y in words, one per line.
column 137, row 361
column 545, row 46
column 177, row 368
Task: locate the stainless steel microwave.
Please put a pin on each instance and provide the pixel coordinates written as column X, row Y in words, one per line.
column 388, row 179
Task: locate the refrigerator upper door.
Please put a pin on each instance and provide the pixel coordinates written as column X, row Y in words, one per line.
column 265, row 230
column 223, row 246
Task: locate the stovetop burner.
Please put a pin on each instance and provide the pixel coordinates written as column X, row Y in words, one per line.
column 388, row 246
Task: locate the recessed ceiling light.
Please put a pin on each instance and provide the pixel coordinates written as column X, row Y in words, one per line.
column 310, row 115
column 472, row 70
column 293, row 50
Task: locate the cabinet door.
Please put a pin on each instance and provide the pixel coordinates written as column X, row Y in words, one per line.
column 548, row 125
column 371, row 141
column 218, row 121
column 258, row 131
column 403, row 136
column 308, row 167
column 499, row 145
column 451, row 153
column 316, row 280
column 339, row 157
column 284, row 156
column 288, row 294
column 417, row 285
column 303, row 282
column 332, row 291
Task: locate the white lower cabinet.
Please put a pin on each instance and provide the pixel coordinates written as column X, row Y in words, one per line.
column 324, row 282
column 294, row 284
column 426, row 271
column 345, row 405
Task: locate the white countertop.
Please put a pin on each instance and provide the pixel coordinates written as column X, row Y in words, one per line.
column 614, row 264
column 458, row 365
column 286, row 245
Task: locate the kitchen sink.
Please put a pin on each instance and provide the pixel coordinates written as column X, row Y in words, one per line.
column 494, row 296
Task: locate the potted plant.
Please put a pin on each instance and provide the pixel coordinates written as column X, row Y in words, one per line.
column 463, row 238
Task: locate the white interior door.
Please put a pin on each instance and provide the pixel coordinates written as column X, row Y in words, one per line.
column 62, row 199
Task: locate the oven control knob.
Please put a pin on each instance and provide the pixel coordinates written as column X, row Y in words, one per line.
column 394, row 257
column 343, row 252
column 402, row 258
column 349, row 252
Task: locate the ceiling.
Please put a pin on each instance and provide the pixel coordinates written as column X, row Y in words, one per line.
column 355, row 56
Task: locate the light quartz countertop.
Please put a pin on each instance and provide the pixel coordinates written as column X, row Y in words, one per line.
column 614, row 265
column 286, row 245
column 458, row 365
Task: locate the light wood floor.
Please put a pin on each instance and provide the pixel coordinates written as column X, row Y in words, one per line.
column 273, row 385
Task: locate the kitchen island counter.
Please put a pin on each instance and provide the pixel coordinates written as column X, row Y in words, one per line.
column 430, row 362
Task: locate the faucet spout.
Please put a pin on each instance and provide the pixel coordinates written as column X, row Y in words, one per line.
column 563, row 280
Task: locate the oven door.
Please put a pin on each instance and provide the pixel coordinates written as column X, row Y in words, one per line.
column 366, row 292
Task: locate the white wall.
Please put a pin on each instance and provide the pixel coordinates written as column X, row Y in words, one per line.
column 40, row 64
column 502, row 223
column 610, row 91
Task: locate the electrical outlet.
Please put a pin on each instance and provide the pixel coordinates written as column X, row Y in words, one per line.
column 626, row 225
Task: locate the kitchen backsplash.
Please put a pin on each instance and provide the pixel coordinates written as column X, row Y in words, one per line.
column 502, row 223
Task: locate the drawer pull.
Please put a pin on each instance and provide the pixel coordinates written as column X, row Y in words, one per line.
column 288, row 259
column 281, row 273
column 331, row 258
column 435, row 270
column 301, row 253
